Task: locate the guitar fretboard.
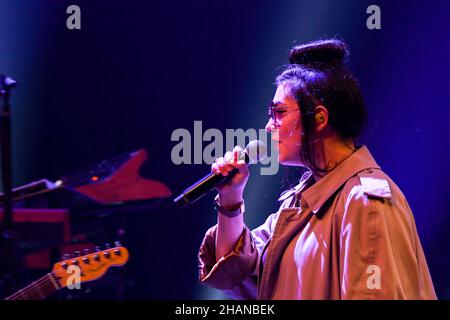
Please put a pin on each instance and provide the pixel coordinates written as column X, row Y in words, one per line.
column 38, row 290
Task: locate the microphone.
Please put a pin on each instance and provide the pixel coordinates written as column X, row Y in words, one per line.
column 254, row 152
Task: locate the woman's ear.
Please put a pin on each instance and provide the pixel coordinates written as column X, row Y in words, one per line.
column 321, row 117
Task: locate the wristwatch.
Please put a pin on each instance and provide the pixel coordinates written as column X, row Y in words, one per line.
column 229, row 211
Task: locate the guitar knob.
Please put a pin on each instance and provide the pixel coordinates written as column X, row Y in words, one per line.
column 96, row 257
column 66, row 256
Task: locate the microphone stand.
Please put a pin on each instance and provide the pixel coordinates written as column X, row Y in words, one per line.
column 9, row 248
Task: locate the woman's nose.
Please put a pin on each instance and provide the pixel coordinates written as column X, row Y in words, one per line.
column 269, row 125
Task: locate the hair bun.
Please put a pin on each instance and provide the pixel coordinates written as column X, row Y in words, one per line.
column 330, row 52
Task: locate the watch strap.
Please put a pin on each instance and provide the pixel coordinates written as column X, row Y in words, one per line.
column 230, row 211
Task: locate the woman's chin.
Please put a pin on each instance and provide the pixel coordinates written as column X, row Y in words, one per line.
column 289, row 162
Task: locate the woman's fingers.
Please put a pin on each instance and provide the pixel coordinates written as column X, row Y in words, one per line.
column 215, row 168
column 238, row 162
column 228, row 162
column 220, row 166
column 238, row 149
column 217, row 165
column 229, row 159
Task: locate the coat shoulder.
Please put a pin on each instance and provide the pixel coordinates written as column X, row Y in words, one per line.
column 375, row 183
column 368, row 186
column 372, row 183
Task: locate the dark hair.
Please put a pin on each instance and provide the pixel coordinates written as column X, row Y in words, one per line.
column 316, row 75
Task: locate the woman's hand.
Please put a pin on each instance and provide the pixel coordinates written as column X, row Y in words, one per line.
column 231, row 191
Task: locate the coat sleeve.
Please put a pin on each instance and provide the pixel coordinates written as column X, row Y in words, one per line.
column 236, row 272
column 380, row 252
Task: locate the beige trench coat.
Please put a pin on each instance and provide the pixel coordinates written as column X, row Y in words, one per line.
column 352, row 235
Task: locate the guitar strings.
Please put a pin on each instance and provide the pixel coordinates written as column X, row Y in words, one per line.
column 36, row 288
column 42, row 283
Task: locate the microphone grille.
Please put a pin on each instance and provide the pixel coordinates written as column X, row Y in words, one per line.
column 256, row 151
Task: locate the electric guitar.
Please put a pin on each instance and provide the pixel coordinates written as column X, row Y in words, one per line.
column 70, row 272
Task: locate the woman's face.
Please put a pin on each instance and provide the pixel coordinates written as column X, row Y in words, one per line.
column 286, row 128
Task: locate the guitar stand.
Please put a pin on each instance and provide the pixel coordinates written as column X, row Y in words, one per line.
column 10, row 254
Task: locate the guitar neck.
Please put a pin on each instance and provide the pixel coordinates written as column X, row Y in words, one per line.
column 38, row 290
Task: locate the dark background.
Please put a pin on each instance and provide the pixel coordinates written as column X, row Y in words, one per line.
column 138, row 70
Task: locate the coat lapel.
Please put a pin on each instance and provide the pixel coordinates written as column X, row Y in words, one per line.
column 290, row 222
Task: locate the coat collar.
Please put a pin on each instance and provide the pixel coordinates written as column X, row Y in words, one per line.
column 316, row 195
